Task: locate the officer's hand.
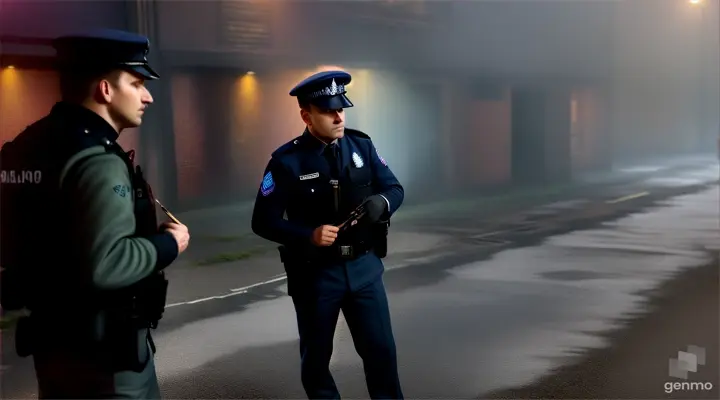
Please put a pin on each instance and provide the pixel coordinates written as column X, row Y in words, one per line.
column 180, row 233
column 375, row 207
column 325, row 235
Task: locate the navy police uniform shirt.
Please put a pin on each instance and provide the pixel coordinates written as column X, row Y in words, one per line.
column 297, row 179
column 297, row 194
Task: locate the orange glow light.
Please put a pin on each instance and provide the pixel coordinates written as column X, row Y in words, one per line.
column 323, row 68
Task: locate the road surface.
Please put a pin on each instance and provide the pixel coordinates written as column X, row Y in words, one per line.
column 478, row 304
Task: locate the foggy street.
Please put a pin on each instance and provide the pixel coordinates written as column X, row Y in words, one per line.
column 559, row 231
column 484, row 307
column 418, row 231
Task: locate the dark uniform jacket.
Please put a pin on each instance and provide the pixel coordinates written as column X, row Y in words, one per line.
column 74, row 231
column 296, row 184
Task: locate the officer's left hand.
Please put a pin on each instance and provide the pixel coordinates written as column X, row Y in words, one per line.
column 375, row 207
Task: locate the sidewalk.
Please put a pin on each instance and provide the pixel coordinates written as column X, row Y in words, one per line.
column 682, row 312
column 223, row 234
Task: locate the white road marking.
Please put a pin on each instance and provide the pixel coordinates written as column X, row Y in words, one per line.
column 277, row 278
column 282, row 277
column 182, row 303
column 629, row 197
column 233, row 292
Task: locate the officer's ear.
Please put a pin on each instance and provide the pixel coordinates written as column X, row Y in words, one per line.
column 103, row 91
column 106, row 85
column 305, row 114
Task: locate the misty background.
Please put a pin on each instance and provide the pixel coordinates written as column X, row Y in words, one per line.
column 459, row 96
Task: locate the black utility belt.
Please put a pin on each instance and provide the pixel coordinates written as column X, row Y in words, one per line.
column 349, row 251
column 335, row 253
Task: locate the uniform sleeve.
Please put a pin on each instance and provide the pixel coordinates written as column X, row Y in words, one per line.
column 386, row 184
column 270, row 204
column 104, row 241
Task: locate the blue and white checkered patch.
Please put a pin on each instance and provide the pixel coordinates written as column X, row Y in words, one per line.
column 268, row 184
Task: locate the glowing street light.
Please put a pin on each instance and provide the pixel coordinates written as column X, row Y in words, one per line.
column 695, row 2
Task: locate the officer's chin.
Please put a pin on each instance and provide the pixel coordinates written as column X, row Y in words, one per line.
column 134, row 123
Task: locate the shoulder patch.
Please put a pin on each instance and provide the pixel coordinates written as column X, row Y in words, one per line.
column 121, row 190
column 268, row 184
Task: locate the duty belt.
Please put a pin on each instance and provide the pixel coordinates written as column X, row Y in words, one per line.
column 352, row 251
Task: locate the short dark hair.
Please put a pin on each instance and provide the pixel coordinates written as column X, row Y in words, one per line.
column 76, row 85
column 304, row 104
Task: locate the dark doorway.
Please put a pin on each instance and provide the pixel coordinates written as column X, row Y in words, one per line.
column 528, row 120
column 424, row 146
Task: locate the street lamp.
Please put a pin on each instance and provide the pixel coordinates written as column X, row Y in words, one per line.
column 695, row 2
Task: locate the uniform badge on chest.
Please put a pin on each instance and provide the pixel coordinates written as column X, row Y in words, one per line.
column 357, row 160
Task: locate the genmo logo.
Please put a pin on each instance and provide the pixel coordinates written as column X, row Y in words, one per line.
column 686, row 362
column 687, row 386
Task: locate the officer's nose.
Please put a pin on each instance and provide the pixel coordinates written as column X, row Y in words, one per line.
column 147, row 97
column 338, row 116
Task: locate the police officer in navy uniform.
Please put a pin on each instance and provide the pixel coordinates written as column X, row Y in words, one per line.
column 317, row 180
column 81, row 245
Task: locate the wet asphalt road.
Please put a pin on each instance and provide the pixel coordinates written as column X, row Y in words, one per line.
column 478, row 312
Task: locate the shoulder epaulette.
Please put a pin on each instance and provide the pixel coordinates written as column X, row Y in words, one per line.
column 287, row 147
column 81, row 141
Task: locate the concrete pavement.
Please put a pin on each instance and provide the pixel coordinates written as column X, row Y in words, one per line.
column 681, row 312
column 417, row 232
column 463, row 327
column 491, row 303
column 231, row 223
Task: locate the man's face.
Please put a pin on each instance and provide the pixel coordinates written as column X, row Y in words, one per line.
column 126, row 97
column 328, row 125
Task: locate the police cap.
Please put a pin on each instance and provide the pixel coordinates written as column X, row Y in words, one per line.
column 324, row 89
column 104, row 49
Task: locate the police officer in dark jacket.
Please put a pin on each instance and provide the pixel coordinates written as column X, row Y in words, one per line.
column 317, row 180
column 81, row 246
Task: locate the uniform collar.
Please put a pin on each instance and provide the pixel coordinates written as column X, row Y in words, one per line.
column 84, row 119
column 316, row 144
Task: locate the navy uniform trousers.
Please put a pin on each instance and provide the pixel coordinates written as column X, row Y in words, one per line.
column 365, row 308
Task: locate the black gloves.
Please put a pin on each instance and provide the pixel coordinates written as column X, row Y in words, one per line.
column 375, row 207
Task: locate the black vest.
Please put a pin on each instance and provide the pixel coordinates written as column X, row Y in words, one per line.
column 33, row 247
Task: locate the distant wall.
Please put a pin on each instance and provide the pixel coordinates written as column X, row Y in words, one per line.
column 486, row 149
column 666, row 78
column 227, row 123
column 590, row 134
column 25, row 96
column 52, row 18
